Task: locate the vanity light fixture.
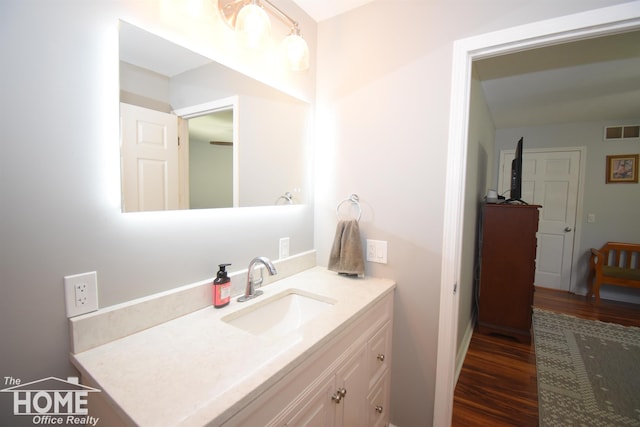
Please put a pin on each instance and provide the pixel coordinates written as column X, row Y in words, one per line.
column 250, row 20
column 253, row 24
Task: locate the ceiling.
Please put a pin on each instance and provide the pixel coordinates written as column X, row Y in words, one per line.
column 320, row 10
column 588, row 80
column 595, row 79
column 140, row 48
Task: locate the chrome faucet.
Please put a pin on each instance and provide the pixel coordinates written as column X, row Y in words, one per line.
column 250, row 292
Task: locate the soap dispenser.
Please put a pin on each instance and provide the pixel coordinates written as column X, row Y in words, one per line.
column 221, row 287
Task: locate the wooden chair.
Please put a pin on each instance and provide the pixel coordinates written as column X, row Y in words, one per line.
column 614, row 264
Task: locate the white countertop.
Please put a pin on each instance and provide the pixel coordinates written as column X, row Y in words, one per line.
column 198, row 369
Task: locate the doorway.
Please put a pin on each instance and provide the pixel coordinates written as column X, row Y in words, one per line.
column 624, row 17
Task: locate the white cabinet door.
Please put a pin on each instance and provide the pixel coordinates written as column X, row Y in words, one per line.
column 352, row 377
column 318, row 410
column 339, row 400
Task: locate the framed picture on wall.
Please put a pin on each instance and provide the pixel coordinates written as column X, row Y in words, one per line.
column 622, row 168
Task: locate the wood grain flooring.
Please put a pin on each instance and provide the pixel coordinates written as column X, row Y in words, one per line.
column 497, row 384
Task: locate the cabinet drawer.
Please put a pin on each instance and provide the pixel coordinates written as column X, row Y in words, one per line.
column 379, row 353
column 378, row 403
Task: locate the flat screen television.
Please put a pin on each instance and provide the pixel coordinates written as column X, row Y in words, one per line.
column 516, row 176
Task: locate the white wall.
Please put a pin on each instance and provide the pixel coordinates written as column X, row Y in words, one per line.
column 616, row 206
column 383, row 98
column 59, row 186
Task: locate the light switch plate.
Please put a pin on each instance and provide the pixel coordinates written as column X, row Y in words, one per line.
column 284, row 248
column 377, row 251
column 81, row 293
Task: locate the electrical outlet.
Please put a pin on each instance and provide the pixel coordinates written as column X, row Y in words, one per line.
column 284, row 248
column 81, row 293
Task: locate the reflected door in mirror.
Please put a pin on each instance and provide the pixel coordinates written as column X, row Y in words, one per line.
column 149, row 159
column 164, row 170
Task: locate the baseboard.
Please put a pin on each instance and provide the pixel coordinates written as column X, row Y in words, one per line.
column 464, row 347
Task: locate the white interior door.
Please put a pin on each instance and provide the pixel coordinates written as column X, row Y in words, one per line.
column 551, row 179
column 149, row 159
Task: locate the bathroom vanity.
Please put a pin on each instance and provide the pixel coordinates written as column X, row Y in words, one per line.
column 326, row 363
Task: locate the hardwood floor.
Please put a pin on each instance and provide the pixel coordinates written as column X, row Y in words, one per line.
column 497, row 384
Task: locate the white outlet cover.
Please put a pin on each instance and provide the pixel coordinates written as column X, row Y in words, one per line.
column 81, row 302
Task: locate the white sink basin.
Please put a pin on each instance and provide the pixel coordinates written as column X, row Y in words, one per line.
column 280, row 314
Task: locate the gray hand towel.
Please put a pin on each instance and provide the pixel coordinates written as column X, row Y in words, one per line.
column 346, row 254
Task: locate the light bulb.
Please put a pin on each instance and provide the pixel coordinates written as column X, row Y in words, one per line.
column 296, row 51
column 253, row 24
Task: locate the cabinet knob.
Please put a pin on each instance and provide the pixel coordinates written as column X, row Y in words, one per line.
column 339, row 395
column 379, row 409
column 567, row 229
column 380, row 357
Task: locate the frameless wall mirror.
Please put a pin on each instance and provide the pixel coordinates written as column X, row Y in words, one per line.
column 196, row 134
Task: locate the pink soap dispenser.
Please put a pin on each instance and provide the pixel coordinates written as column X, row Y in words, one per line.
column 221, row 287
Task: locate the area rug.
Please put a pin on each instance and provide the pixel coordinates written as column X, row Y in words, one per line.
column 588, row 371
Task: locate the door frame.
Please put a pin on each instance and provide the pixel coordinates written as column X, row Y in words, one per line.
column 229, row 103
column 577, row 227
column 593, row 23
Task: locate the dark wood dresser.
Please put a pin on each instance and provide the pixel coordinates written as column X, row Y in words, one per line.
column 507, row 269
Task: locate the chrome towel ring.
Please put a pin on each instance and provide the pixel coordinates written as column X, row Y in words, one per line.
column 287, row 197
column 355, row 200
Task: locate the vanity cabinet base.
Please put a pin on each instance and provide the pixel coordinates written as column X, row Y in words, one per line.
column 344, row 384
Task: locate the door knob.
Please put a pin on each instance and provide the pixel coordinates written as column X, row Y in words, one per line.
column 380, row 357
column 339, row 395
column 567, row 229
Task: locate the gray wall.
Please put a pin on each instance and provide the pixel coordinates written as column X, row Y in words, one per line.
column 480, row 166
column 59, row 181
column 210, row 174
column 616, row 206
